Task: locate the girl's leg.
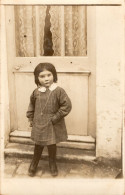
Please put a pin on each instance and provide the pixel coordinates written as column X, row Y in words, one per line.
column 52, row 159
column 36, row 157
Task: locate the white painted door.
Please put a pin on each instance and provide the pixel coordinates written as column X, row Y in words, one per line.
column 64, row 36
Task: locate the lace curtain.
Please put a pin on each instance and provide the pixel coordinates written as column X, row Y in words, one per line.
column 25, row 33
column 41, row 31
column 75, row 31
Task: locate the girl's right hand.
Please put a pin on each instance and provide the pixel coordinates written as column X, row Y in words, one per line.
column 31, row 123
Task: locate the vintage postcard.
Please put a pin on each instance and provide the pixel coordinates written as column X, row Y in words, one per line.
column 62, row 97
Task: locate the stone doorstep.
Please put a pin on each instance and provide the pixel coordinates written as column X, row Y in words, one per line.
column 77, row 148
column 75, row 142
column 72, row 138
column 26, row 151
column 74, row 145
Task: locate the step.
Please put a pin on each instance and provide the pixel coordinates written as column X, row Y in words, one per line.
column 75, row 142
column 70, row 154
column 76, row 138
column 76, row 148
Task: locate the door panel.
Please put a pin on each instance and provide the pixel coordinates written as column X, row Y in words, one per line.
column 76, row 87
column 24, row 84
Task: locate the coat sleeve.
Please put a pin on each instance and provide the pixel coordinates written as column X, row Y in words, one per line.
column 65, row 106
column 31, row 108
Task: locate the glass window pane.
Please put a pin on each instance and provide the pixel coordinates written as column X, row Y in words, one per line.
column 75, row 31
column 25, row 32
column 42, row 29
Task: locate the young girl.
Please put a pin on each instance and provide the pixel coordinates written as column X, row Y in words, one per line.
column 49, row 104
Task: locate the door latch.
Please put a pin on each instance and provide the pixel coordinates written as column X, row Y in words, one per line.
column 18, row 67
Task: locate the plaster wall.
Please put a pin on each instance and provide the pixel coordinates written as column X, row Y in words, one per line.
column 109, row 80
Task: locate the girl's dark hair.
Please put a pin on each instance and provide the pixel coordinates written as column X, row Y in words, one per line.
column 45, row 66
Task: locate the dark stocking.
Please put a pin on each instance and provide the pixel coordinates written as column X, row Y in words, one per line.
column 36, row 157
column 52, row 159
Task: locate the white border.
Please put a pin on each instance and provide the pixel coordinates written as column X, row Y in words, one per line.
column 64, row 2
column 59, row 187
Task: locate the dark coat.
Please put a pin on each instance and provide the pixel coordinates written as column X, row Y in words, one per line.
column 47, row 111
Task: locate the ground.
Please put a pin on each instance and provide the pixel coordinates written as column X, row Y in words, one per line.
column 18, row 168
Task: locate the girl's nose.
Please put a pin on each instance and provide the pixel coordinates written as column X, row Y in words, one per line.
column 46, row 78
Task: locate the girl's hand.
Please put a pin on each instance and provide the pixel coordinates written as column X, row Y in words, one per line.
column 31, row 123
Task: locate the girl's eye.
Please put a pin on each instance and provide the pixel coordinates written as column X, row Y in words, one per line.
column 41, row 76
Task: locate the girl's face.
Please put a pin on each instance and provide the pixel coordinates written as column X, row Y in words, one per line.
column 45, row 78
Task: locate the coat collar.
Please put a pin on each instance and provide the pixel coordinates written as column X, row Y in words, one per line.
column 51, row 88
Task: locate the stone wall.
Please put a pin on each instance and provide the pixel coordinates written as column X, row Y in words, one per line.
column 109, row 80
column 5, row 116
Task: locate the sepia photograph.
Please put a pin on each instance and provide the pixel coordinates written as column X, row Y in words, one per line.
column 62, row 97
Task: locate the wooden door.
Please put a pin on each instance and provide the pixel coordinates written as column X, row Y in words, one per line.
column 64, row 36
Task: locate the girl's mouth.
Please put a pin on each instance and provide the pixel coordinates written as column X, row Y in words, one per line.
column 46, row 84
